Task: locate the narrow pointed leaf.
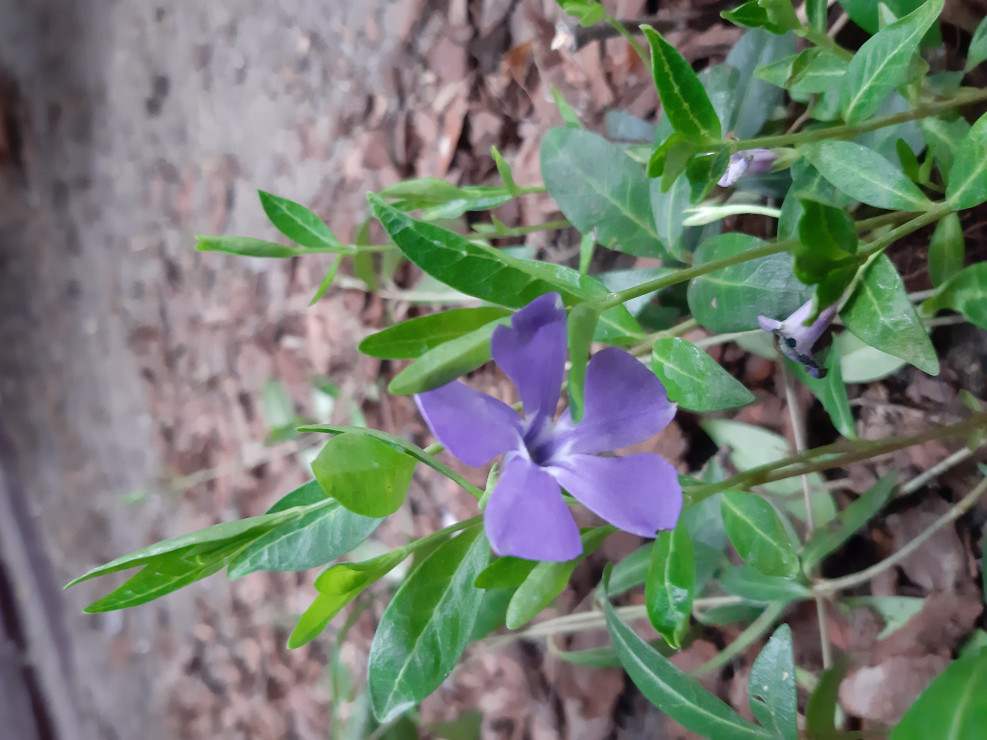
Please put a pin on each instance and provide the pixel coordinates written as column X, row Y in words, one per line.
column 831, row 392
column 953, row 707
column 679, row 696
column 670, row 585
column 414, row 337
column 966, row 293
column 977, row 52
column 771, row 686
column 879, row 313
column 683, row 98
column 968, row 178
column 425, row 628
column 157, row 579
column 297, row 222
column 755, row 100
column 947, row 249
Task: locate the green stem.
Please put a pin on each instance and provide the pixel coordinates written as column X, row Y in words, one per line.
column 666, row 281
column 635, row 44
column 847, row 131
column 937, row 211
column 821, row 38
column 744, row 640
column 443, row 533
column 809, row 461
column 523, row 230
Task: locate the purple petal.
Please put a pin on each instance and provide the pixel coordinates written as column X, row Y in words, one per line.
column 761, row 160
column 796, row 340
column 473, row 426
column 638, row 493
column 736, row 168
column 532, row 353
column 768, row 324
column 625, row 403
column 527, row 517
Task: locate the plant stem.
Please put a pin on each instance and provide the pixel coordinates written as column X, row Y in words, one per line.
column 681, row 276
column 856, row 579
column 847, row 131
column 745, row 639
column 937, row 211
column 635, row 44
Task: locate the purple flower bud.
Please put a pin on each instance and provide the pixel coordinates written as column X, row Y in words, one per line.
column 796, row 339
column 625, row 403
column 757, row 161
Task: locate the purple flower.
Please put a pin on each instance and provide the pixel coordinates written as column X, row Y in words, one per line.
column 625, row 403
column 757, row 161
column 796, row 340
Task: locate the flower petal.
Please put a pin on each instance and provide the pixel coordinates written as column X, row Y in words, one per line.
column 625, row 403
column 532, row 353
column 638, row 493
column 473, row 426
column 527, row 517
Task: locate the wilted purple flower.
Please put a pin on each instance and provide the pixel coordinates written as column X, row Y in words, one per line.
column 625, row 403
column 796, row 339
column 756, row 161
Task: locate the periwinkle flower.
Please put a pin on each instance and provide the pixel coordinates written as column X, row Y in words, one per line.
column 757, row 161
column 796, row 340
column 624, row 403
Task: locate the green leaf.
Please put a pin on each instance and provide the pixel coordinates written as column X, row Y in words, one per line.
column 245, row 246
column 826, row 540
column 504, row 170
column 414, row 337
column 569, row 117
column 943, row 138
column 298, row 223
column 865, row 175
column 401, row 445
column 947, row 249
column 337, row 587
column 673, row 692
column 548, row 580
column 827, row 244
column 879, row 313
column 817, row 12
column 319, row 536
column 894, row 610
column 882, row 63
column 683, row 98
column 816, row 71
column 752, row 15
column 756, row 531
column 160, row 577
column 977, row 52
column 581, row 325
column 756, row 587
column 704, row 172
column 600, row 190
column 820, row 713
column 505, row 572
column 425, row 628
column 831, row 392
column 771, row 686
column 668, row 208
column 695, row 380
column 953, row 707
column 861, row 363
column 968, row 178
column 365, row 475
column 631, row 570
column 965, row 292
column 755, row 100
column 446, row 362
column 731, row 299
column 671, row 584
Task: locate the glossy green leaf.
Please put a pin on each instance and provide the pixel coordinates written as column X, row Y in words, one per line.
column 425, row 628
column 446, row 362
column 816, row 71
column 752, row 15
column 866, row 13
column 968, row 178
column 580, row 329
column 817, row 12
column 569, row 117
column 879, row 313
column 758, row 535
column 668, row 208
column 965, row 292
column 771, row 687
column 831, row 392
column 504, row 170
column 882, row 63
column 297, row 222
column 245, row 246
column 337, row 587
column 401, row 445
column 365, row 475
column 670, row 585
column 820, row 713
column 827, row 244
column 704, row 172
column 414, row 337
column 826, row 540
column 318, row 536
column 977, row 52
column 947, row 249
column 731, row 299
column 505, row 572
column 720, row 83
column 548, row 580
column 683, row 99
column 600, row 190
column 953, row 707
column 679, row 696
column 756, row 587
column 755, row 100
column 631, row 570
column 163, row 575
column 693, row 379
column 865, row 175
